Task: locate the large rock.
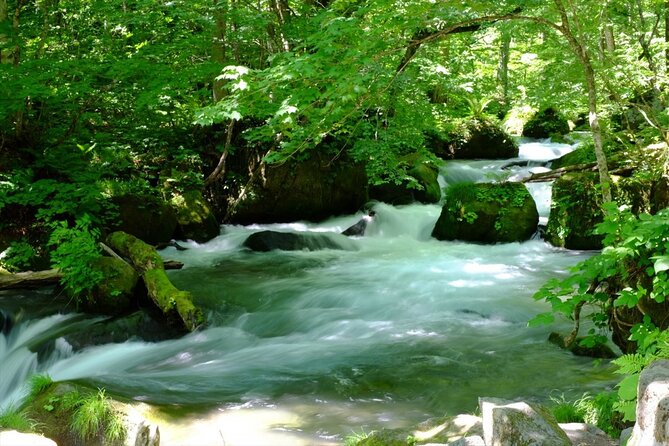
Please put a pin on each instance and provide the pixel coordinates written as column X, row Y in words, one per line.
column 545, row 123
column 148, row 218
column 424, row 174
column 115, row 294
column 312, row 189
column 476, row 139
column 652, row 410
column 195, row 220
column 487, row 213
column 507, row 423
column 264, row 241
column 576, row 208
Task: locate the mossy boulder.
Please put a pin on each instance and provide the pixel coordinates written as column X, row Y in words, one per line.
column 576, row 207
column 58, row 409
column 423, row 186
column 309, row 189
column 602, row 351
column 195, row 220
column 487, row 213
column 475, row 139
column 545, row 123
column 146, row 217
column 115, row 294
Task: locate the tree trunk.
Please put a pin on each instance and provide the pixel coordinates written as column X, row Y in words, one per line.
column 583, row 56
column 219, row 45
column 666, row 35
column 4, row 55
column 503, row 67
column 30, row 279
column 174, row 303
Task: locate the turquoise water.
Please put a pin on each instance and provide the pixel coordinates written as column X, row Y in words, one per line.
column 402, row 328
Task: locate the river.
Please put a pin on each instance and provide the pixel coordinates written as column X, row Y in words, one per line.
column 308, row 347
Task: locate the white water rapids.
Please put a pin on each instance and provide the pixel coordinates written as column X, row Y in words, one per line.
column 309, row 347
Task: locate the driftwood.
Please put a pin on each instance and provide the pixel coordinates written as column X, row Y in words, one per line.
column 557, row 173
column 172, row 302
column 30, row 279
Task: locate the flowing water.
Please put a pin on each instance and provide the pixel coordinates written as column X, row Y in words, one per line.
column 309, row 347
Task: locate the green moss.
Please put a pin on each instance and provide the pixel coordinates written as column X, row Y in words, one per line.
column 194, row 217
column 171, row 301
column 142, row 255
column 488, row 213
column 545, row 123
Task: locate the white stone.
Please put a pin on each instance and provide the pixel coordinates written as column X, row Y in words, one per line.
column 652, row 410
column 507, row 423
column 14, row 438
column 582, row 434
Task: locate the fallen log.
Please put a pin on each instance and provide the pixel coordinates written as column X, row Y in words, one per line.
column 173, row 302
column 557, row 173
column 30, row 279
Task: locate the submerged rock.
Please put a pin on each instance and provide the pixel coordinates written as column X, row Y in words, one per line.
column 360, row 227
column 598, row 351
column 264, row 241
column 487, row 213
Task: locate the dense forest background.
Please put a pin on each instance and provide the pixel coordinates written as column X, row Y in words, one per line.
column 105, row 100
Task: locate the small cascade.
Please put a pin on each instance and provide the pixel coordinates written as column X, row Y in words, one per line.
column 29, row 347
column 398, row 330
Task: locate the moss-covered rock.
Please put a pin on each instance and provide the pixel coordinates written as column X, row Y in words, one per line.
column 146, row 217
column 545, row 123
column 576, row 207
column 311, row 189
column 77, row 416
column 424, row 175
column 475, row 139
column 597, row 351
column 487, row 213
column 115, row 294
column 195, row 219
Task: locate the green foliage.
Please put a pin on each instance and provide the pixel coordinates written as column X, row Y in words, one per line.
column 38, row 384
column 94, row 415
column 633, row 264
column 598, row 410
column 15, row 419
column 75, row 249
column 356, row 437
column 18, row 256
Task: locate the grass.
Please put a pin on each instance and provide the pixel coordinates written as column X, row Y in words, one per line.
column 596, row 410
column 38, row 384
column 94, row 414
column 15, row 419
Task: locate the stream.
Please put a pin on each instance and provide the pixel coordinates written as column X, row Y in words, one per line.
column 304, row 348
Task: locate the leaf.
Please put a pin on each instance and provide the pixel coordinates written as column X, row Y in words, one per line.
column 661, row 263
column 627, row 388
column 541, row 319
